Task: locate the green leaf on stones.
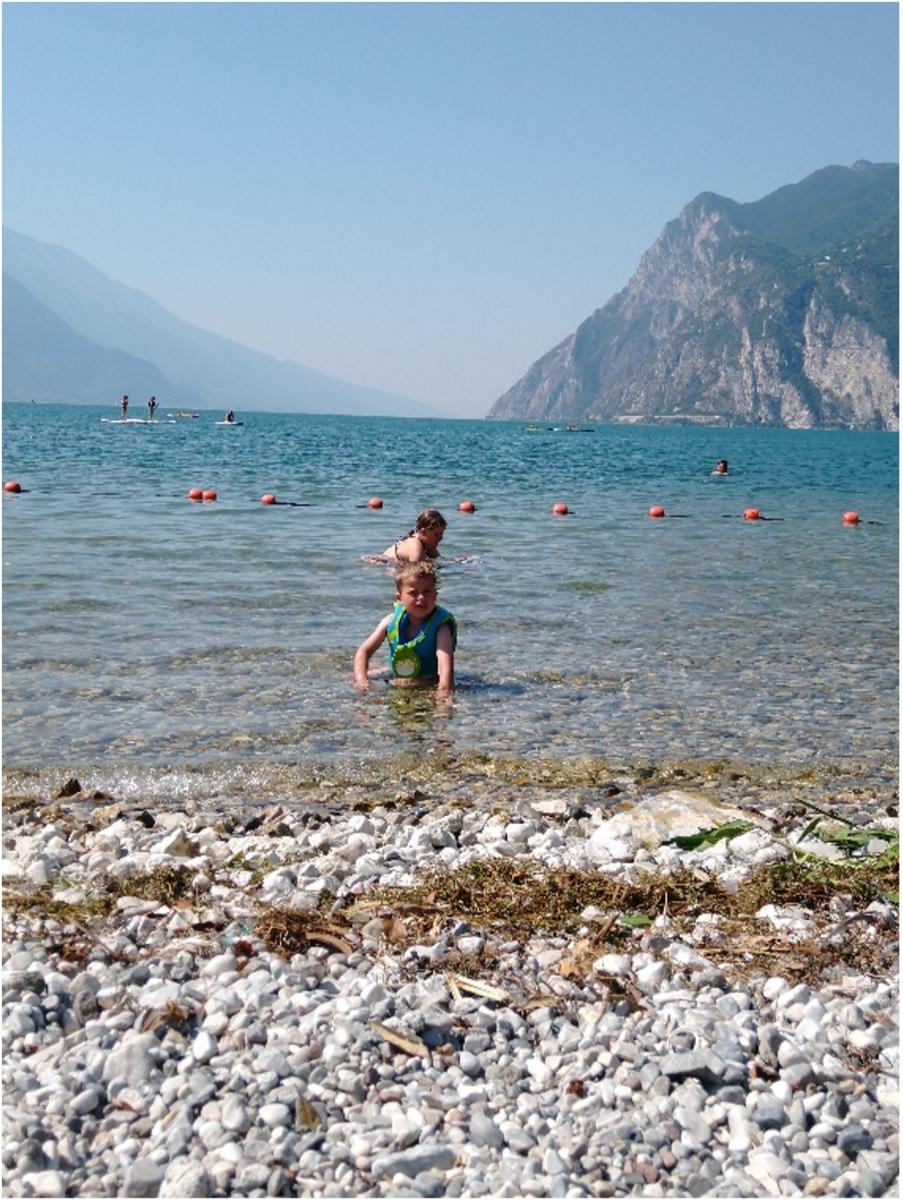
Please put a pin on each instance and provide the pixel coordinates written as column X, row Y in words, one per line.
column 704, row 838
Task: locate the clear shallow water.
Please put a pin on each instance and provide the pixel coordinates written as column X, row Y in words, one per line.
column 143, row 632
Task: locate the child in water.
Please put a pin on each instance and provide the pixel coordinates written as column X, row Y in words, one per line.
column 419, row 544
column 421, row 635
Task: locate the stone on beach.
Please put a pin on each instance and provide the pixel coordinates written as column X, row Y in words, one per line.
column 657, row 818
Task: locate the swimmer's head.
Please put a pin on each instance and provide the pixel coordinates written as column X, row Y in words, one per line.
column 430, row 520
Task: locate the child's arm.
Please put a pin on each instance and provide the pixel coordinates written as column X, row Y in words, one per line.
column 365, row 652
column 445, row 659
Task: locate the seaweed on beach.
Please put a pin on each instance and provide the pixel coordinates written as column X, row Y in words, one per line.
column 286, row 931
column 518, row 900
column 42, row 900
column 165, row 885
column 518, row 897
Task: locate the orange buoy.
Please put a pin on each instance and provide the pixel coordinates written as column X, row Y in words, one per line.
column 560, row 510
column 848, row 518
column 656, row 511
column 751, row 514
column 467, row 506
column 374, row 502
column 269, row 498
column 210, row 494
column 195, row 494
column 12, row 486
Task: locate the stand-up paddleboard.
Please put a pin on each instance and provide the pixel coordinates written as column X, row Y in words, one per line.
column 132, row 421
column 229, row 422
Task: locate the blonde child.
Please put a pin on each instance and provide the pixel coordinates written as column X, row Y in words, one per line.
column 421, row 635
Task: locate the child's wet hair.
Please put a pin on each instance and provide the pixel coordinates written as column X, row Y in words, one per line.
column 430, row 518
column 411, row 571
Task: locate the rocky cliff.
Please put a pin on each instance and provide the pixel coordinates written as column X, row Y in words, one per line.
column 780, row 312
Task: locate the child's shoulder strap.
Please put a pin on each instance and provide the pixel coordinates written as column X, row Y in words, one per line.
column 395, row 620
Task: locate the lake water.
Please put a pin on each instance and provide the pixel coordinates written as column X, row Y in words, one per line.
column 146, row 637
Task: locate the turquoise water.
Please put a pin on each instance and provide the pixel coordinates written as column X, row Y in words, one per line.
column 143, row 632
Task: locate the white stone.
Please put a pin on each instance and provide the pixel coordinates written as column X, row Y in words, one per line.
column 613, row 964
column 39, row 872
column 204, row 1047
column 652, row 976
column 768, row 1169
column 819, row 849
column 750, row 843
column 44, row 1183
column 274, row 1115
column 661, row 816
column 177, row 843
column 773, row 987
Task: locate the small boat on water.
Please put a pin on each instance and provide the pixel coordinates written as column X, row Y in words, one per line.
column 181, row 413
column 559, row 429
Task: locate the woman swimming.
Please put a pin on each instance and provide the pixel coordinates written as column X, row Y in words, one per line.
column 420, row 543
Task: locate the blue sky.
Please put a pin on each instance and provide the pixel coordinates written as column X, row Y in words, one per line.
column 422, row 198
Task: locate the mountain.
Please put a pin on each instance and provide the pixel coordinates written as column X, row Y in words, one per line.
column 77, row 370
column 784, row 311
column 72, row 334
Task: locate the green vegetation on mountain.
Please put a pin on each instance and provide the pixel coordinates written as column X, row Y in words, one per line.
column 781, row 311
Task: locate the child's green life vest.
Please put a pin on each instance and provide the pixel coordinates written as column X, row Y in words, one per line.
column 410, row 660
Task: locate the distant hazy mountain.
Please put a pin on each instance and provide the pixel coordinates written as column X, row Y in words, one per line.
column 71, row 334
column 781, row 312
column 77, row 370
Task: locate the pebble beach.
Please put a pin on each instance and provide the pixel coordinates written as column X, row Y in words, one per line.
column 206, row 1000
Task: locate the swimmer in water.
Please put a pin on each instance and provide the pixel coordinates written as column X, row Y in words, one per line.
column 720, row 467
column 418, row 545
column 421, row 635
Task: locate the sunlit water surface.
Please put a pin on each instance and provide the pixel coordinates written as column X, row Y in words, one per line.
column 144, row 633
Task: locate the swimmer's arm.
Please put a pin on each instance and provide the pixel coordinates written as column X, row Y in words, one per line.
column 413, row 550
column 365, row 652
column 445, row 660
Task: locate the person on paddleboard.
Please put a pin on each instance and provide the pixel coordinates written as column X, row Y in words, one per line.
column 124, row 407
column 151, row 408
column 230, row 417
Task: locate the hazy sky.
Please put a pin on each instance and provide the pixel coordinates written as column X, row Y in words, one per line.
column 422, row 198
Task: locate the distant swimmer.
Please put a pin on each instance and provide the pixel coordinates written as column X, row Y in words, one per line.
column 124, row 407
column 419, row 544
column 230, row 417
column 720, row 467
column 151, row 408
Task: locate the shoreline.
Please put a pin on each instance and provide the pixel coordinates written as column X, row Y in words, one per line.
column 850, row 783
column 503, row 986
